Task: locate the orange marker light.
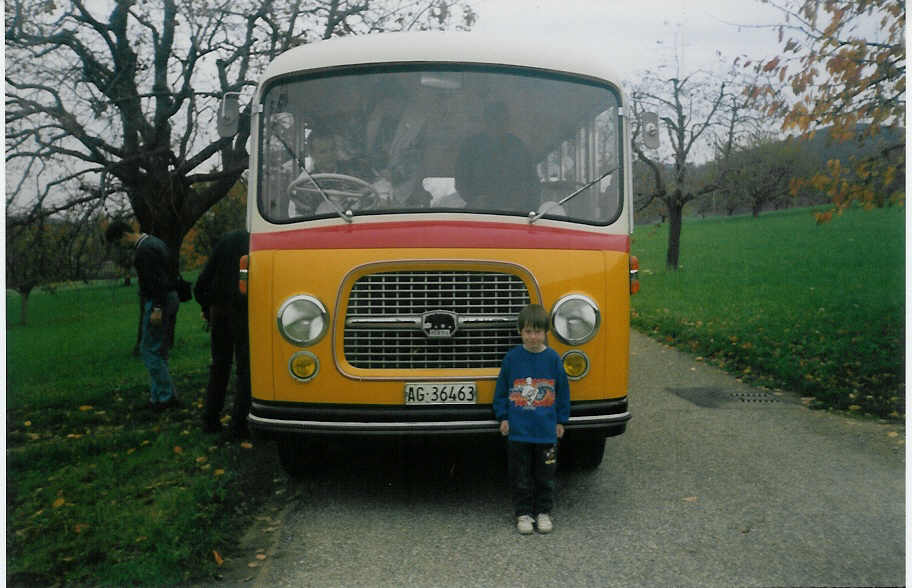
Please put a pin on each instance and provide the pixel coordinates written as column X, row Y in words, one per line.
column 242, row 274
column 634, row 274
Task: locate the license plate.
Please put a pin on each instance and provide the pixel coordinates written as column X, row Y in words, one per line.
column 440, row 393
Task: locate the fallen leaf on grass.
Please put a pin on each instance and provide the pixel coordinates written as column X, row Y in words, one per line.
column 80, row 527
column 28, row 423
column 86, row 407
column 247, row 445
column 218, row 558
column 178, row 450
column 59, row 502
column 261, row 556
column 201, row 459
column 892, row 434
column 690, row 499
column 218, row 472
column 253, row 564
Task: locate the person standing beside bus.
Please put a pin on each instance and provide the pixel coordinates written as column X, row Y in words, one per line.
column 225, row 309
column 532, row 404
column 160, row 305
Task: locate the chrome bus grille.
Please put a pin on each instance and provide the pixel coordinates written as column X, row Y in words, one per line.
column 390, row 314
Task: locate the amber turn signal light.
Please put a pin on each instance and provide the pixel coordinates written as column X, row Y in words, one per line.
column 242, row 274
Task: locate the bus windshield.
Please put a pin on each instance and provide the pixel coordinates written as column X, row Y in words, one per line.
column 423, row 139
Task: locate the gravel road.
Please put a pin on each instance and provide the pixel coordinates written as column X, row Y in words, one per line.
column 715, row 483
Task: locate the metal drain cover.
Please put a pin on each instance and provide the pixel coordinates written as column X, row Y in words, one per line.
column 710, row 397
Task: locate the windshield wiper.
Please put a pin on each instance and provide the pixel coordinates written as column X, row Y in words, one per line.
column 534, row 216
column 345, row 215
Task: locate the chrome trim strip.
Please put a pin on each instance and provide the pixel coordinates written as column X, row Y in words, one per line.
column 414, row 322
column 372, row 425
column 623, row 416
column 342, row 425
column 385, row 322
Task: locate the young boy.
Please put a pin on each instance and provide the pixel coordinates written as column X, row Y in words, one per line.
column 532, row 403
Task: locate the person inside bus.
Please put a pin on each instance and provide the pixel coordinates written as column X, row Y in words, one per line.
column 494, row 169
column 327, row 156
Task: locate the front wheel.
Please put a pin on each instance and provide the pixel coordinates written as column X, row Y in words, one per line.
column 585, row 452
column 300, row 455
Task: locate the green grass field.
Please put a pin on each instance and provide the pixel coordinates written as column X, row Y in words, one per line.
column 786, row 303
column 100, row 489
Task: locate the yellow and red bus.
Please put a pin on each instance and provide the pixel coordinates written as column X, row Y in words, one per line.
column 409, row 194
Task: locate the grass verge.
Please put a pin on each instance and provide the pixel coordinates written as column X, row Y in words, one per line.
column 102, row 490
column 786, row 303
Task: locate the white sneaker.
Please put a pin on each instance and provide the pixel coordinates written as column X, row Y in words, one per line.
column 544, row 523
column 524, row 524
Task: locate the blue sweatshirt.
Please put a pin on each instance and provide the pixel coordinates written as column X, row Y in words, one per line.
column 533, row 394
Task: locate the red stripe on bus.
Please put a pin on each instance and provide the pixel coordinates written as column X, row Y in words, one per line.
column 438, row 234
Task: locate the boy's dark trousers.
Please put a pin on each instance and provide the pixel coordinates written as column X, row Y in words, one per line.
column 229, row 342
column 532, row 468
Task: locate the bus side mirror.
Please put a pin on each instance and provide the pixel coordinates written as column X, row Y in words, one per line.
column 650, row 124
column 228, row 115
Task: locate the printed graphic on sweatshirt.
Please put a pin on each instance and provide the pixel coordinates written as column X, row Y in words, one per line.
column 529, row 393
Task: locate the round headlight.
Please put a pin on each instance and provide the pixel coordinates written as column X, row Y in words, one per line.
column 576, row 364
column 303, row 320
column 575, row 319
column 303, row 366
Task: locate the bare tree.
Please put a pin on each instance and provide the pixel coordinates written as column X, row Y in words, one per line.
column 688, row 105
column 48, row 251
column 760, row 172
column 119, row 97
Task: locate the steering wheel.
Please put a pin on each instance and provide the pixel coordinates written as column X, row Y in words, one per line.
column 347, row 191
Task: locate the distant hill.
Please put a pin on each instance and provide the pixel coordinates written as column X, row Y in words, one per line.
column 826, row 148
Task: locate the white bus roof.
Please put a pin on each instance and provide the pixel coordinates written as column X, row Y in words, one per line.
column 441, row 47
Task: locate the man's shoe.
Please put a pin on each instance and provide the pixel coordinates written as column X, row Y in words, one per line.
column 544, row 524
column 524, row 524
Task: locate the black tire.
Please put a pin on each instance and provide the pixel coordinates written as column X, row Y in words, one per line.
column 586, row 452
column 300, row 455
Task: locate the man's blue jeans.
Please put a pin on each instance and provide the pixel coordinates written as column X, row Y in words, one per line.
column 154, row 346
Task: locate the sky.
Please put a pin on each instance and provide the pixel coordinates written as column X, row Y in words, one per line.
column 642, row 34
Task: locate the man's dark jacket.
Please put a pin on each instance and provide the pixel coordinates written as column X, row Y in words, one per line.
column 218, row 283
column 152, row 260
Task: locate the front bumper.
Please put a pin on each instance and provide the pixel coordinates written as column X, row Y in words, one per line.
column 605, row 417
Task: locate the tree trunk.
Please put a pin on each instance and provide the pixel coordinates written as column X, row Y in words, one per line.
column 675, row 214
column 23, row 306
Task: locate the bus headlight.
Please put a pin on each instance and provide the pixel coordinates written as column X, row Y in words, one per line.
column 575, row 319
column 576, row 364
column 303, row 366
column 303, row 320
